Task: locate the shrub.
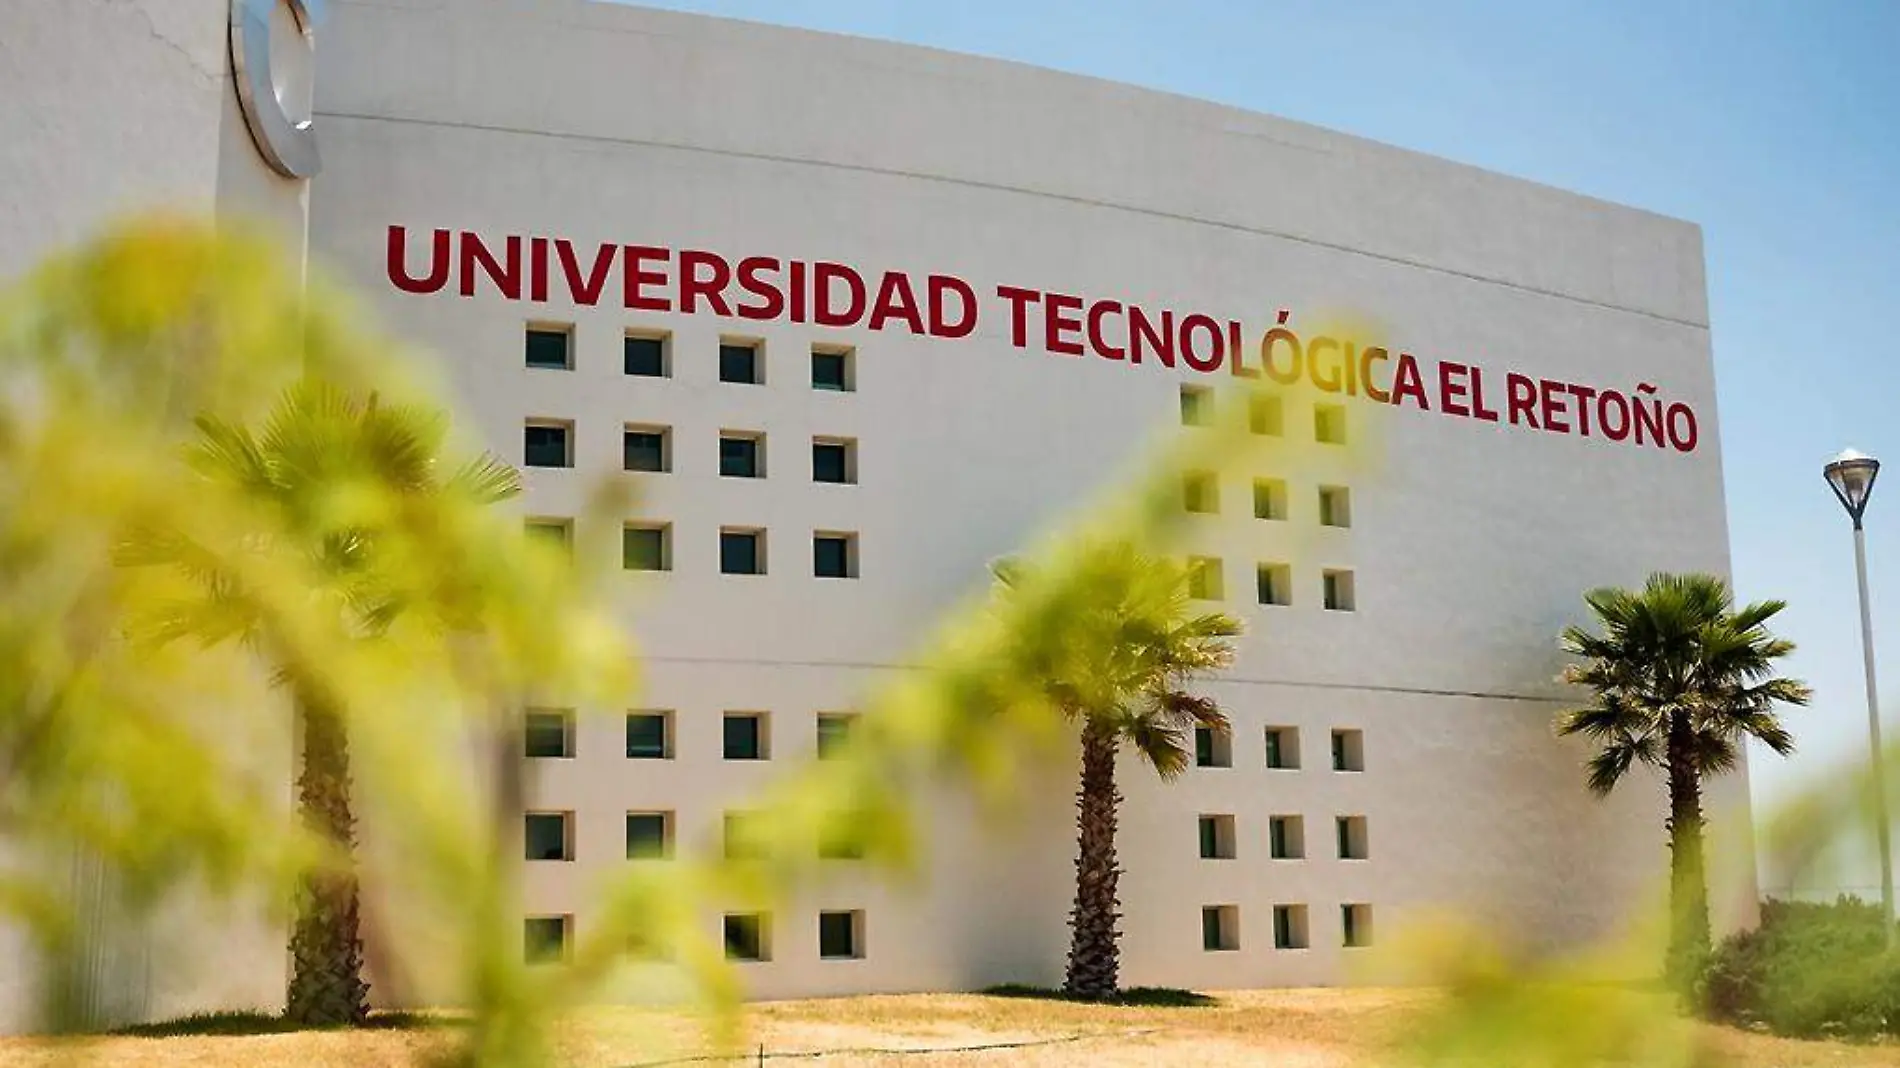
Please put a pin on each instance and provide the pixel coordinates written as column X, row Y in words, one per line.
column 1809, row 970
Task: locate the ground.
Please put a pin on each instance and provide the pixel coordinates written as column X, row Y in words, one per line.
column 1284, row 1028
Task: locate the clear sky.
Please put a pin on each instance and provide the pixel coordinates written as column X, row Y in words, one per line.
column 1775, row 125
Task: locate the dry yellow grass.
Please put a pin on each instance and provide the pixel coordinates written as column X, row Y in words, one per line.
column 1284, row 1028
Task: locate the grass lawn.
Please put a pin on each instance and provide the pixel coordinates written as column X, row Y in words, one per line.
column 1286, row 1028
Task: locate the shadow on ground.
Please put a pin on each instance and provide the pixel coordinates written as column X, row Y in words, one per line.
column 1148, row 997
column 259, row 1023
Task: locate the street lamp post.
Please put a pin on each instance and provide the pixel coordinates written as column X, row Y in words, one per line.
column 1852, row 476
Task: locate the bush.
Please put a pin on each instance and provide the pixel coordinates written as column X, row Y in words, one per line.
column 1809, row 971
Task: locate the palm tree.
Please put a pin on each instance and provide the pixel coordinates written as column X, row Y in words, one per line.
column 1123, row 644
column 334, row 478
column 1681, row 678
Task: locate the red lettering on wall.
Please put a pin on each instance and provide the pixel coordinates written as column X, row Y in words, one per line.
column 1019, row 301
column 1520, row 397
column 751, row 275
column 1452, row 389
column 896, row 301
column 431, row 280
column 1098, row 311
column 635, row 278
column 585, row 291
column 505, row 276
column 1061, row 323
column 941, row 325
column 824, row 312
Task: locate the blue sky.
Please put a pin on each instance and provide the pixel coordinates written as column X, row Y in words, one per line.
column 1773, row 125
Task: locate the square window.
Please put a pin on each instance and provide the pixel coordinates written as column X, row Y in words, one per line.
column 649, row 835
column 1197, row 406
column 747, row 936
column 1220, row 928
column 647, row 448
column 649, row 736
column 1269, row 498
column 832, row 369
column 1283, row 748
column 742, row 836
column 840, row 935
column 1355, row 926
column 647, row 356
column 834, row 729
column 834, row 555
column 741, row 552
column 1273, row 584
column 840, row 837
column 1289, row 927
column 746, row 736
column 1329, row 424
column 549, row 735
column 547, row 444
column 545, row 938
column 550, row 347
column 549, row 835
column 1213, row 748
column 1266, row 415
column 1336, row 589
column 1286, row 837
column 1200, row 492
column 1335, row 506
column 557, row 534
column 740, row 362
column 646, row 547
column 1204, row 578
column 1217, row 837
column 741, row 454
column 1349, row 750
column 834, row 460
column 1352, row 842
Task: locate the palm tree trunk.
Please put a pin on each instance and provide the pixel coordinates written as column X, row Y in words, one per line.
column 326, row 949
column 1688, row 886
column 1094, row 959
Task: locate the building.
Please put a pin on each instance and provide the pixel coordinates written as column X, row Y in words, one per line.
column 867, row 316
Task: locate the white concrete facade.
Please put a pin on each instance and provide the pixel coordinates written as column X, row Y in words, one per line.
column 1469, row 542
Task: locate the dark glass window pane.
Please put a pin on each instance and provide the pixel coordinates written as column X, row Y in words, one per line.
column 837, row 934
column 547, row 348
column 744, row 739
column 643, row 549
column 646, row 835
column 1210, row 838
column 1282, row 928
column 829, row 371
column 546, row 836
column 742, row 938
column 1349, row 925
column 1276, row 754
column 544, row 938
column 739, row 457
column 1204, row 746
column 738, row 363
column 646, row 736
column 645, row 356
column 1339, row 751
column 832, row 732
column 644, row 450
column 545, row 446
column 1210, row 929
column 831, row 556
column 829, row 462
column 547, row 734
column 738, row 553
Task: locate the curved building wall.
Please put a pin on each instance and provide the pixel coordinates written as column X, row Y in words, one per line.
column 1469, row 540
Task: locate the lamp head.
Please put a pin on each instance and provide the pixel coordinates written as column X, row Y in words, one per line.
column 1852, row 475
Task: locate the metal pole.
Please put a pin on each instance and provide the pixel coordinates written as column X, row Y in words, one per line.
column 1873, row 734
